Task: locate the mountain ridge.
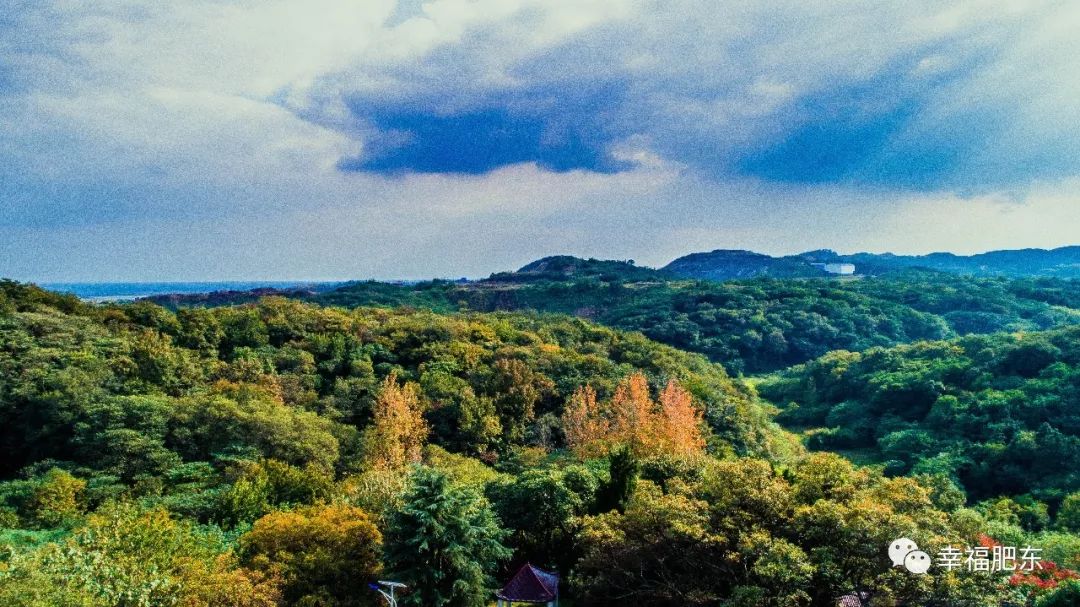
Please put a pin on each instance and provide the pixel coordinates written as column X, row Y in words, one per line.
column 727, row 264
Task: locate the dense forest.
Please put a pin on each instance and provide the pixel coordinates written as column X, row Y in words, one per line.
column 282, row 452
column 749, row 326
column 1001, row 413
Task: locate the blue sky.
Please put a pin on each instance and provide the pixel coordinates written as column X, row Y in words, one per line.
column 279, row 139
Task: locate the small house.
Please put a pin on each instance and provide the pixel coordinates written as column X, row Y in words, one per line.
column 854, row 599
column 531, row 586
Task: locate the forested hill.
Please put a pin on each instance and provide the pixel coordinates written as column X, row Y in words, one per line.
column 722, row 264
column 283, row 454
column 569, row 268
column 1001, row 412
column 736, row 264
column 136, row 389
column 749, row 326
column 1062, row 262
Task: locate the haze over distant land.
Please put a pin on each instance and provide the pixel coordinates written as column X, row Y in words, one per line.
column 332, row 140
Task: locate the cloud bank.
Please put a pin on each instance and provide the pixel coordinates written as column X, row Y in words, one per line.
column 343, row 139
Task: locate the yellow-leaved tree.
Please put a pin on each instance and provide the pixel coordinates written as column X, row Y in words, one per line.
column 396, row 437
column 584, row 424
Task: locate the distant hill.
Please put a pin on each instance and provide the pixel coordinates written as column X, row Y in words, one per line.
column 561, row 268
column 718, row 265
column 723, row 264
column 1063, row 262
column 750, row 325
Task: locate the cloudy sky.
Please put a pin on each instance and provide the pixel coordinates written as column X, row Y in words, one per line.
column 323, row 139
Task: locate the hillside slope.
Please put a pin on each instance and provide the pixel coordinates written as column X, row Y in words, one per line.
column 270, row 454
column 749, row 326
column 130, row 384
column 1001, row 413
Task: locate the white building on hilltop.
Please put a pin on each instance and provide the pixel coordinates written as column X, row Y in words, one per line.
column 843, row 269
column 838, row 269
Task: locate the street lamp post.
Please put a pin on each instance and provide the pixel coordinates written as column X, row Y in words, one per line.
column 380, row 587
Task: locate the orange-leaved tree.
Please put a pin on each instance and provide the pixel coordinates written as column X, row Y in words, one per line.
column 632, row 418
column 680, row 422
column 634, row 421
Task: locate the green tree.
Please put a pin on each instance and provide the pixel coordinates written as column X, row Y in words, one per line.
column 57, row 498
column 444, row 543
column 542, row 507
column 249, row 418
column 1067, row 594
column 623, row 470
column 779, row 572
column 659, row 552
column 128, row 557
column 1068, row 516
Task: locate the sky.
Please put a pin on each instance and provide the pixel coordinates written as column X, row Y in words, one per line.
column 143, row 140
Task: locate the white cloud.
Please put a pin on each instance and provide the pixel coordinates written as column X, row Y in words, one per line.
column 164, row 139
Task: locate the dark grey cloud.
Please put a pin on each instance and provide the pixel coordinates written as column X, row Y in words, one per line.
column 558, row 128
column 697, row 93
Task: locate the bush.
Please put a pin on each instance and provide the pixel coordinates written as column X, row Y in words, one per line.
column 324, row 554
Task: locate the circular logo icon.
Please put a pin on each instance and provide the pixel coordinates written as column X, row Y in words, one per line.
column 917, row 561
column 900, row 548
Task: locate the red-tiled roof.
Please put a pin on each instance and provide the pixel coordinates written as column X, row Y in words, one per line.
column 531, row 585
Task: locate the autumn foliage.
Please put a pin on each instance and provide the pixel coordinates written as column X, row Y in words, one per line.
column 680, row 422
column 632, row 418
column 1047, row 576
column 584, row 424
column 398, row 432
column 323, row 553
